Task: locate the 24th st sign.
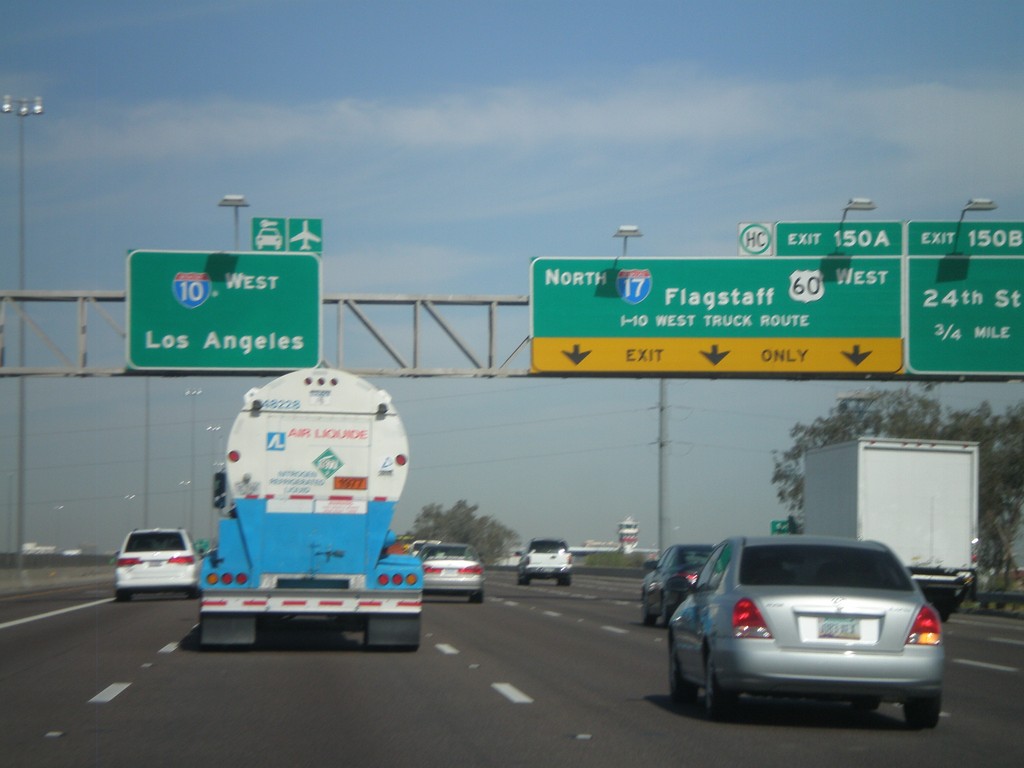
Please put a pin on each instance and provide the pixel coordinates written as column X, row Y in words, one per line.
column 758, row 316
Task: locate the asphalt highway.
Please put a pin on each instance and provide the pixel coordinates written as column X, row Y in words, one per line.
column 537, row 675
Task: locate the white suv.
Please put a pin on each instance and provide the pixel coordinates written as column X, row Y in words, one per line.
column 157, row 560
column 546, row 559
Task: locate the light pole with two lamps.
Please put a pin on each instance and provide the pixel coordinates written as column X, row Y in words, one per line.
column 627, row 231
column 192, row 394
column 21, row 108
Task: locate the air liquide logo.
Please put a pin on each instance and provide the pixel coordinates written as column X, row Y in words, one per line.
column 633, row 285
column 191, row 289
column 327, row 463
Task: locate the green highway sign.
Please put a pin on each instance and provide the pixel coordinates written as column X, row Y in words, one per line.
column 280, row 235
column 720, row 315
column 965, row 315
column 223, row 311
column 876, row 238
column 970, row 238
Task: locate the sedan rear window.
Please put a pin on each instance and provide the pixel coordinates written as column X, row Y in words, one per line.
column 824, row 566
column 154, row 542
column 547, row 546
column 458, row 551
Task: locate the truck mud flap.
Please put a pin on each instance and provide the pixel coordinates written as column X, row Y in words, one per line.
column 398, row 632
column 227, row 630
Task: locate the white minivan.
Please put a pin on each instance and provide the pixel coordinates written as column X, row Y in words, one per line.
column 157, row 560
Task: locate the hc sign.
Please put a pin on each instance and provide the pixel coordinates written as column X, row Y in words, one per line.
column 755, row 239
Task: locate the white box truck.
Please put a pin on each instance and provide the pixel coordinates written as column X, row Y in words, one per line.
column 920, row 497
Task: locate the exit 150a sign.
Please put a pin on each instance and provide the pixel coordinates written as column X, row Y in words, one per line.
column 222, row 311
column 877, row 238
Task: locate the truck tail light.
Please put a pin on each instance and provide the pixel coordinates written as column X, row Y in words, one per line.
column 227, row 578
column 747, row 621
column 926, row 630
column 398, row 579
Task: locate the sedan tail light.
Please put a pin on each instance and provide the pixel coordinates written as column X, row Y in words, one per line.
column 123, row 562
column 747, row 621
column 182, row 560
column 472, row 569
column 927, row 629
column 690, row 576
column 431, row 569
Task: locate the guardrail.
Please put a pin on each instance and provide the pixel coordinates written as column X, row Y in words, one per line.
column 1000, row 599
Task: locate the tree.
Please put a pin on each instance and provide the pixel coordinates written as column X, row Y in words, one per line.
column 907, row 413
column 489, row 538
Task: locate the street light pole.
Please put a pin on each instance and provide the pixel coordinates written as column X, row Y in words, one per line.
column 21, row 108
column 627, row 231
column 192, row 394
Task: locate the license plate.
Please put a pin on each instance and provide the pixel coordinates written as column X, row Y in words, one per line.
column 835, row 628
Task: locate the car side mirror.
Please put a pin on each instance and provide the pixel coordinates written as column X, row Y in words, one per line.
column 650, row 565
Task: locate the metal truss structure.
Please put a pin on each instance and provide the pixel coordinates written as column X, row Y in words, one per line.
column 82, row 333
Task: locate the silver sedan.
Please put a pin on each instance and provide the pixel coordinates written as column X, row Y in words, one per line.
column 809, row 617
column 452, row 569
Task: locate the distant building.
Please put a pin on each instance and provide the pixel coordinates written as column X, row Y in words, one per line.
column 629, row 535
column 31, row 548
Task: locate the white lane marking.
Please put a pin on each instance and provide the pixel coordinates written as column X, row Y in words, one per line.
column 1006, row 640
column 28, row 619
column 512, row 693
column 109, row 693
column 169, row 648
column 616, row 630
column 985, row 665
column 446, row 649
column 556, row 614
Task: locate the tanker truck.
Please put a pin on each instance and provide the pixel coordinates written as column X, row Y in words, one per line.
column 316, row 461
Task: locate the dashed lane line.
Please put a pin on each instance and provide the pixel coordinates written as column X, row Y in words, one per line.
column 512, row 693
column 109, row 693
column 985, row 665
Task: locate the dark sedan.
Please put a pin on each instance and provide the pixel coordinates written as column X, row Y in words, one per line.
column 669, row 579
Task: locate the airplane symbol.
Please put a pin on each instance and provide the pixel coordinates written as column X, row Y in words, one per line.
column 305, row 237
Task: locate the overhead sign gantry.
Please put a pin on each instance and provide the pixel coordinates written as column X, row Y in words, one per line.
column 930, row 299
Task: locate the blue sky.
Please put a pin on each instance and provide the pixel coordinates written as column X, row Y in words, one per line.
column 444, row 145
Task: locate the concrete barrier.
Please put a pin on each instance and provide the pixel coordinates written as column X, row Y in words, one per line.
column 13, row 580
